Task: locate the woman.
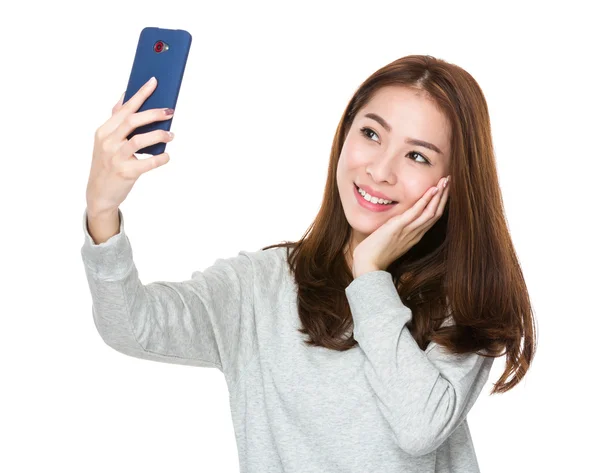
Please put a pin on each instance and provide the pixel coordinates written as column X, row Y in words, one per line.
column 405, row 298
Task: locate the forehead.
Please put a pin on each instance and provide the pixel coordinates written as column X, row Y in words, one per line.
column 410, row 113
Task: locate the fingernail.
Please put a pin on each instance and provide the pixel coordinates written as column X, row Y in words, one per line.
column 435, row 189
column 151, row 81
column 445, row 182
column 169, row 111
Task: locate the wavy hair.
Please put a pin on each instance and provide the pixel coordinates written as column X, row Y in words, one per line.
column 464, row 266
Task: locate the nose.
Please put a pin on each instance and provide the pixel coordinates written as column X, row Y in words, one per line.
column 381, row 169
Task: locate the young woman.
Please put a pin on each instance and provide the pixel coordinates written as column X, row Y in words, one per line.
column 362, row 346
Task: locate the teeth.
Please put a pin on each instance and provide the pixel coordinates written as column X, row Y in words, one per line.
column 372, row 199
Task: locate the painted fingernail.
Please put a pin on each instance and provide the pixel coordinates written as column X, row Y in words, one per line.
column 169, row 111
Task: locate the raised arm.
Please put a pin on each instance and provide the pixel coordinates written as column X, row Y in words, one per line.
column 205, row 321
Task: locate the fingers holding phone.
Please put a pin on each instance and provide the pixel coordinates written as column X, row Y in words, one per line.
column 133, row 121
column 120, row 109
column 140, row 120
column 115, row 168
column 126, row 119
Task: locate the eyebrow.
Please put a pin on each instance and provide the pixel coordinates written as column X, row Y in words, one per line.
column 411, row 141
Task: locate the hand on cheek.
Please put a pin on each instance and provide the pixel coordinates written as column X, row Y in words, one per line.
column 401, row 232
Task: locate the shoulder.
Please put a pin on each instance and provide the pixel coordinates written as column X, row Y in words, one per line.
column 271, row 273
column 275, row 256
column 271, row 262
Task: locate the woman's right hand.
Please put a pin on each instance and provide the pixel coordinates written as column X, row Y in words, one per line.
column 114, row 168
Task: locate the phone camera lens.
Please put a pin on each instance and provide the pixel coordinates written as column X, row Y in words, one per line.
column 158, row 47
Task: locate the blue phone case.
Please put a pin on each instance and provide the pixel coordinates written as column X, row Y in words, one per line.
column 167, row 64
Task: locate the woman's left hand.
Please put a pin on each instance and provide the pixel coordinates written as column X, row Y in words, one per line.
column 400, row 233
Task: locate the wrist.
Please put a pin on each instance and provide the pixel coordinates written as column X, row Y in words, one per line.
column 100, row 213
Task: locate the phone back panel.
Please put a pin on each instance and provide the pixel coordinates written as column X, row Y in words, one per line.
column 168, row 67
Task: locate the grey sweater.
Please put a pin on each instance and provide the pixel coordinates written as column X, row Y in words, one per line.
column 383, row 406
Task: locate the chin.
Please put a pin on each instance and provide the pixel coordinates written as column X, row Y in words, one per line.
column 363, row 225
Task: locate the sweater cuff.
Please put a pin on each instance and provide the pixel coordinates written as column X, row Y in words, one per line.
column 373, row 294
column 111, row 259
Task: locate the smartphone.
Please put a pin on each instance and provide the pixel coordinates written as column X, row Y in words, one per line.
column 161, row 53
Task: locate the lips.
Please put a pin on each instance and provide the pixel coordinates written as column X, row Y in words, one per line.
column 372, row 193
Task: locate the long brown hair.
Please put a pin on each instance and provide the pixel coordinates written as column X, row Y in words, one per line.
column 465, row 265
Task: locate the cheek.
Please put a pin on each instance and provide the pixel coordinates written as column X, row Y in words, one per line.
column 415, row 189
column 354, row 156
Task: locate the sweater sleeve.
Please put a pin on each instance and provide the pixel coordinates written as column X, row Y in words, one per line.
column 423, row 395
column 202, row 321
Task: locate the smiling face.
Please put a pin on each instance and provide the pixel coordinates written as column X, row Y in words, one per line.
column 381, row 158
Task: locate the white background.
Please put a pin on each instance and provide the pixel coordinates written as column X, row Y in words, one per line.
column 264, row 89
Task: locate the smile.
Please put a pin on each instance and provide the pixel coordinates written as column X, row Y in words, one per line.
column 370, row 205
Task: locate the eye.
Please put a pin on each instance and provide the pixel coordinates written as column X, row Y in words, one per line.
column 366, row 130
column 419, row 154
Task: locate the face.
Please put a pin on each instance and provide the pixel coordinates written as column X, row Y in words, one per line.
column 381, row 158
